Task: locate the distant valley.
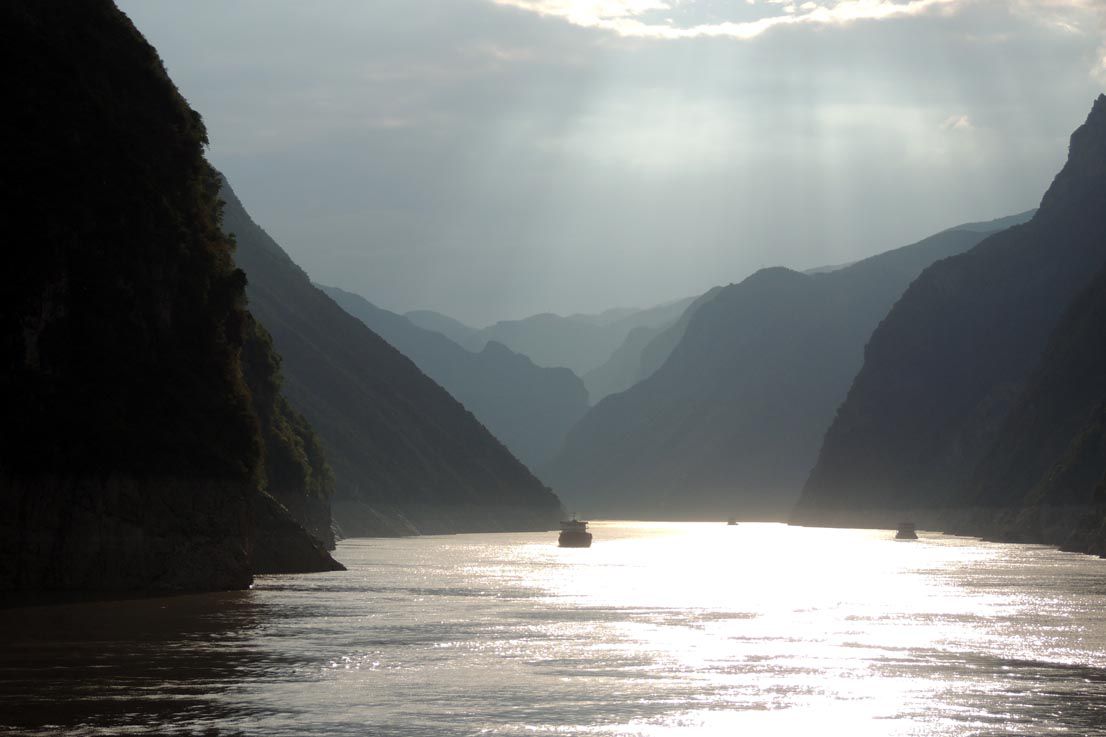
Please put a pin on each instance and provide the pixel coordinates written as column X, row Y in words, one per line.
column 528, row 407
column 731, row 422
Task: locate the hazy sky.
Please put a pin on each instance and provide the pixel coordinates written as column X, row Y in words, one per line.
column 497, row 158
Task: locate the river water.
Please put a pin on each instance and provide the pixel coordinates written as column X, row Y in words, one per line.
column 658, row 629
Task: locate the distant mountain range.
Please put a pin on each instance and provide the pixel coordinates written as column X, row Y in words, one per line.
column 579, row 342
column 977, row 390
column 732, row 421
column 528, row 407
column 455, row 330
column 644, row 350
column 407, row 457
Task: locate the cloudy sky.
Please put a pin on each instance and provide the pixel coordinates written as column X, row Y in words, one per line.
column 497, row 158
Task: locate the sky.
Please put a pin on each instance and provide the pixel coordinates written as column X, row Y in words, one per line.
column 492, row 159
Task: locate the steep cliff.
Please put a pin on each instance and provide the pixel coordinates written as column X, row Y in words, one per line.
column 1044, row 478
column 130, row 454
column 407, row 457
column 944, row 370
column 295, row 473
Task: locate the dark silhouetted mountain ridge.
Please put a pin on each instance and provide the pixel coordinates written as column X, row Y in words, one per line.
column 732, row 421
column 529, row 408
column 944, row 370
column 133, row 455
column 407, row 457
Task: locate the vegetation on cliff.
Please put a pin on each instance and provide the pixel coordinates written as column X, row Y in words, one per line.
column 407, row 457
column 131, row 455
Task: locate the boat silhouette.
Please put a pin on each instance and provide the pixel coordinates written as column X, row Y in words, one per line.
column 574, row 534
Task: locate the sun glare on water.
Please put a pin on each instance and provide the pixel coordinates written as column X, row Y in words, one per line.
column 765, row 627
column 658, row 629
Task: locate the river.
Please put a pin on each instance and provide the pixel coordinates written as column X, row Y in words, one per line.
column 658, row 629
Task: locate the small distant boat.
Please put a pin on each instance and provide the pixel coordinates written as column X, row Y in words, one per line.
column 906, row 531
column 732, row 522
column 574, row 534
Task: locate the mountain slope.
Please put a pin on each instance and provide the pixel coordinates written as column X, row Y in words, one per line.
column 1062, row 399
column 406, row 456
column 529, row 408
column 455, row 330
column 643, row 351
column 944, row 369
column 732, row 422
column 623, row 369
column 579, row 342
column 1044, row 478
column 131, row 455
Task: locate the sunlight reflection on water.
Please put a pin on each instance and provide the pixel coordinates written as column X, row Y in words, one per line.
column 658, row 629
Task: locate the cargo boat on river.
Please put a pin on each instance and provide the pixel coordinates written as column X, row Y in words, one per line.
column 574, row 534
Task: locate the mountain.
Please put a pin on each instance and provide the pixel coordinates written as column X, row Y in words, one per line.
column 608, row 317
column 943, row 372
column 294, row 470
column 623, row 369
column 732, row 421
column 455, row 330
column 644, row 350
column 1063, row 398
column 579, row 342
column 1044, row 478
column 138, row 450
column 529, row 408
column 407, row 457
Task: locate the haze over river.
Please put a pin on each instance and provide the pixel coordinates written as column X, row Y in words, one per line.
column 658, row 629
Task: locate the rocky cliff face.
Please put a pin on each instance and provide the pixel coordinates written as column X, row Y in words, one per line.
column 944, row 370
column 130, row 455
column 1044, row 479
column 407, row 457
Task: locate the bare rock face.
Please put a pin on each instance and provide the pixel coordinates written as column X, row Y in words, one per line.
column 122, row 534
column 280, row 544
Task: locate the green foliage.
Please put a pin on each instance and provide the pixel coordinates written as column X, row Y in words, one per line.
column 123, row 313
column 394, row 438
column 295, row 471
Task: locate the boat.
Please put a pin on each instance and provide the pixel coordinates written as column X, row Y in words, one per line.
column 906, row 531
column 732, row 522
column 574, row 534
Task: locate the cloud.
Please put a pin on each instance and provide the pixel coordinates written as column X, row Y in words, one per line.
column 625, row 17
column 493, row 162
column 958, row 123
